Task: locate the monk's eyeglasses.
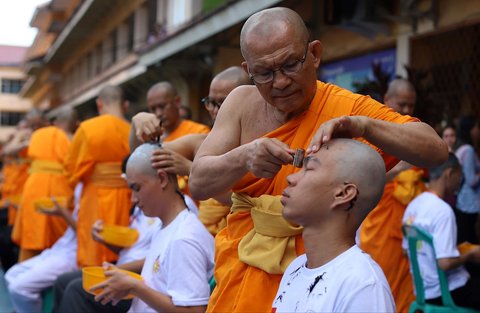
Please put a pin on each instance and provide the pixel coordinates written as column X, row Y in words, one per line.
column 211, row 104
column 289, row 68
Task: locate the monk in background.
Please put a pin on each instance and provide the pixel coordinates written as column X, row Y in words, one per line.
column 47, row 150
column 177, row 155
column 381, row 232
column 95, row 157
column 250, row 150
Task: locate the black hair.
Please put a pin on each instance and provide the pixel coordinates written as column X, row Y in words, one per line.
column 437, row 171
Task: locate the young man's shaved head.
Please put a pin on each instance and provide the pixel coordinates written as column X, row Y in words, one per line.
column 140, row 159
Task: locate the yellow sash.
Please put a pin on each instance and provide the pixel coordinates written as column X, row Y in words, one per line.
column 108, row 175
column 43, row 166
column 270, row 245
column 213, row 215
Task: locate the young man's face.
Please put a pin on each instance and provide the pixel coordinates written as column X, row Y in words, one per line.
column 455, row 180
column 145, row 189
column 311, row 190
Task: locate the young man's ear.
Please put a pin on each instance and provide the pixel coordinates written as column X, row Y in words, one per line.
column 447, row 173
column 163, row 177
column 344, row 195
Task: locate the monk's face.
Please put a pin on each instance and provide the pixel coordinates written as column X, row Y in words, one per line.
column 219, row 90
column 310, row 191
column 403, row 101
column 293, row 64
column 165, row 107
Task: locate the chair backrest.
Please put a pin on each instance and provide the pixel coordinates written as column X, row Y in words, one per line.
column 415, row 235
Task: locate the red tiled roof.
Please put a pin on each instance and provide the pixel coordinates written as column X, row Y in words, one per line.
column 12, row 55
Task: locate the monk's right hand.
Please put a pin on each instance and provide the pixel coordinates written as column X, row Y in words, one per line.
column 97, row 228
column 266, row 157
column 147, row 126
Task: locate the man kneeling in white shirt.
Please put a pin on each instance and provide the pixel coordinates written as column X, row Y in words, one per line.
column 330, row 197
column 179, row 263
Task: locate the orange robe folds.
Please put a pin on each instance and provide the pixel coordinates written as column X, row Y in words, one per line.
column 47, row 149
column 244, row 288
column 98, row 149
column 187, row 127
column 19, row 175
column 381, row 234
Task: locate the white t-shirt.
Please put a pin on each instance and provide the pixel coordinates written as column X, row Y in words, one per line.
column 179, row 263
column 146, row 227
column 429, row 212
column 352, row 282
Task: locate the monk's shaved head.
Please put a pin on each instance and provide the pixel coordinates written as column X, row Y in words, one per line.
column 111, row 95
column 66, row 118
column 272, row 22
column 397, row 85
column 234, row 74
column 163, row 86
column 359, row 164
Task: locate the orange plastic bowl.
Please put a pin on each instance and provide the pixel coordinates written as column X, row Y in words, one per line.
column 47, row 204
column 93, row 275
column 119, row 236
column 465, row 247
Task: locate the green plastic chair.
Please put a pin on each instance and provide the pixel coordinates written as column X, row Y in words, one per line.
column 47, row 296
column 415, row 235
column 212, row 284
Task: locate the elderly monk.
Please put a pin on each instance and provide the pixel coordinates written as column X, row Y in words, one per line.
column 252, row 142
column 381, row 232
column 98, row 148
column 47, row 150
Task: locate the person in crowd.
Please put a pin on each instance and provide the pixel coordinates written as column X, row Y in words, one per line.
column 163, row 102
column 46, row 150
column 28, row 279
column 381, row 232
column 431, row 213
column 179, row 264
column 251, row 146
column 336, row 188
column 94, row 158
column 449, row 135
column 468, row 199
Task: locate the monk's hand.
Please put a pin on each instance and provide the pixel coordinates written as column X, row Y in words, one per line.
column 265, row 157
column 117, row 286
column 171, row 162
column 56, row 210
column 340, row 127
column 97, row 228
column 147, row 126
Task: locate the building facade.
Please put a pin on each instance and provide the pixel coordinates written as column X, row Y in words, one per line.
column 83, row 45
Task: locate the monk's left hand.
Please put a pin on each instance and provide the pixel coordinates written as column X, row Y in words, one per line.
column 117, row 286
column 171, row 162
column 340, row 127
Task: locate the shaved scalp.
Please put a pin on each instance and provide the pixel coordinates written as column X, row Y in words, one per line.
column 66, row 115
column 266, row 23
column 234, row 74
column 399, row 84
column 111, row 95
column 359, row 164
column 140, row 159
column 167, row 86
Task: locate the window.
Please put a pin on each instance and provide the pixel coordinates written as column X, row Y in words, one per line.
column 10, row 118
column 11, row 85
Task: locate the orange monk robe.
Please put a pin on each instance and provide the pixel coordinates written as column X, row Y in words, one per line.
column 8, row 172
column 244, row 288
column 21, row 164
column 381, row 235
column 47, row 150
column 186, row 127
column 98, row 148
